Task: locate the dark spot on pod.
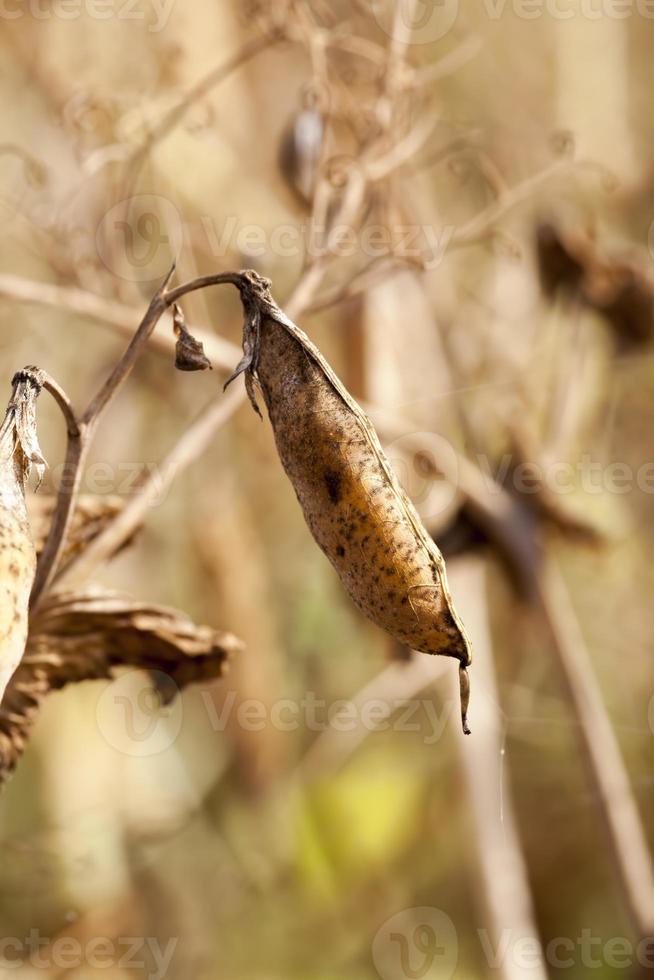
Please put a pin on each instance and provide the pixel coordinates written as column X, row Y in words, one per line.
column 333, row 484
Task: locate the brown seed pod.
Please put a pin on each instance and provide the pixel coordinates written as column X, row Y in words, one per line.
column 301, row 149
column 352, row 501
column 19, row 449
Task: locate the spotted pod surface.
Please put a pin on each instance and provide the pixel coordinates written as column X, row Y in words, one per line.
column 352, row 501
column 18, row 449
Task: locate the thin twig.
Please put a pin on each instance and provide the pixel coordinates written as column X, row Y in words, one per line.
column 123, row 369
column 119, row 316
column 188, row 448
column 479, row 226
column 80, row 441
column 64, row 403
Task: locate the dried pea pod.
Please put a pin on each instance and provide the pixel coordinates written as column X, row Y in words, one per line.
column 19, row 449
column 352, row 501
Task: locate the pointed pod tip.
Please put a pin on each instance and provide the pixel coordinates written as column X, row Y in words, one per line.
column 464, row 693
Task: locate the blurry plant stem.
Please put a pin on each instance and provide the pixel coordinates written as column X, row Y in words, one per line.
column 600, row 749
column 502, row 865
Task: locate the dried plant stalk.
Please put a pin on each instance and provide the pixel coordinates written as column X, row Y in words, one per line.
column 19, row 449
column 352, row 501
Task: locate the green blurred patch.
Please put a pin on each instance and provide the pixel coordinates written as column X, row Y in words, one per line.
column 357, row 821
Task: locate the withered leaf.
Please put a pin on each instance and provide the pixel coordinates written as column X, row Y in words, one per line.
column 189, row 352
column 90, row 635
column 617, row 288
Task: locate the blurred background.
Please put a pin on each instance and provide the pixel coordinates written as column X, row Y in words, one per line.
column 455, row 202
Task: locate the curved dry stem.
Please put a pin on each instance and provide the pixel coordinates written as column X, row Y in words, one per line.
column 120, row 317
column 79, row 442
column 64, row 403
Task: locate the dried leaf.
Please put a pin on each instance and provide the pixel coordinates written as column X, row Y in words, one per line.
column 88, row 636
column 616, row 288
column 92, row 515
column 189, row 352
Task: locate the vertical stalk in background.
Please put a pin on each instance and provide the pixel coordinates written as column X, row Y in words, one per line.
column 607, row 771
column 502, row 866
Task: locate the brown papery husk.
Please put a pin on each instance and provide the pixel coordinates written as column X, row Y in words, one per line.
column 19, row 449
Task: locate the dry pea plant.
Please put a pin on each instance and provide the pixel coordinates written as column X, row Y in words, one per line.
column 353, row 503
column 488, row 303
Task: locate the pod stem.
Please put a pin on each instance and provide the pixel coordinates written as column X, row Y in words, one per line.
column 464, row 691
